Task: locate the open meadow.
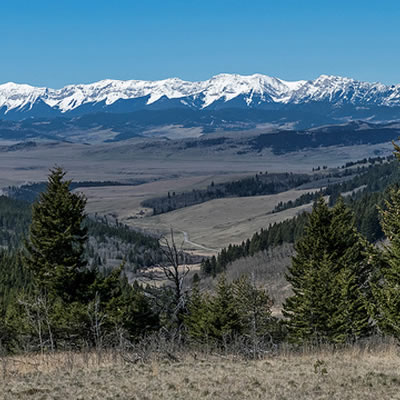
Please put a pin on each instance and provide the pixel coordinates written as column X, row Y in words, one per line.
column 353, row 374
column 217, row 223
column 135, row 159
column 154, row 168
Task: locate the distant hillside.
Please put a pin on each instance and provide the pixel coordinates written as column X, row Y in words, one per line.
column 171, row 127
column 110, row 243
column 364, row 193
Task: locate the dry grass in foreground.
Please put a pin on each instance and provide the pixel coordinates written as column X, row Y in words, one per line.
column 350, row 374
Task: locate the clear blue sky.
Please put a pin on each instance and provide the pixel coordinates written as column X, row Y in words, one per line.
column 57, row 42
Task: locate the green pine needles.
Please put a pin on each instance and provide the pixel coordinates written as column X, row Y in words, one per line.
column 386, row 288
column 330, row 279
column 71, row 303
column 237, row 309
column 344, row 288
column 54, row 251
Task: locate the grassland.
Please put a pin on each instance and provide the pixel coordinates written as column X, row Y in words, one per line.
column 125, row 201
column 217, row 223
column 352, row 374
column 167, row 166
column 133, row 160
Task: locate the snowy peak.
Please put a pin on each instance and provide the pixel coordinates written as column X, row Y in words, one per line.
column 340, row 90
column 228, row 87
column 253, row 91
column 16, row 96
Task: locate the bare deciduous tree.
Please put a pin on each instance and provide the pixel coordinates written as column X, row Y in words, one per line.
column 97, row 318
column 37, row 311
column 174, row 270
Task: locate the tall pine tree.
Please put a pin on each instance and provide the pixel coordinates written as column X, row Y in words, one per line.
column 386, row 289
column 54, row 250
column 198, row 317
column 324, row 308
column 225, row 319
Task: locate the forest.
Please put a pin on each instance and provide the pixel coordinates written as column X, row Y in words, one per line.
column 57, row 293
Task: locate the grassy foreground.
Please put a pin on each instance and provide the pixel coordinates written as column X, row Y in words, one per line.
column 351, row 374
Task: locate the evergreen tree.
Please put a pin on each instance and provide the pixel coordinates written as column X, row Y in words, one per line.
column 124, row 306
column 54, row 251
column 330, row 252
column 225, row 320
column 350, row 320
column 239, row 308
column 14, row 280
column 386, row 289
column 254, row 307
column 198, row 317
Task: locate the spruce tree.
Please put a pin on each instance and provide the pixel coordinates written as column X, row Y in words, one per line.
column 225, row 320
column 350, row 320
column 254, row 307
column 330, row 251
column 125, row 306
column 54, row 250
column 386, row 289
column 197, row 320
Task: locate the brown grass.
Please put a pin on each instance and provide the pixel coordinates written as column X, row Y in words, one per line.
column 349, row 374
column 125, row 201
column 217, row 223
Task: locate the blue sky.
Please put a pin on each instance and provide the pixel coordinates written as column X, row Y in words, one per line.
column 53, row 43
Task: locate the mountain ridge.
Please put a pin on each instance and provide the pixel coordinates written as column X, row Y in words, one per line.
column 19, row 101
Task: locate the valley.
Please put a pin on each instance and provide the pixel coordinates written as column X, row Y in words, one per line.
column 149, row 168
column 217, row 223
column 199, row 200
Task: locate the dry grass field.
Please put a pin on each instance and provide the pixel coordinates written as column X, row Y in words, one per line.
column 217, row 223
column 353, row 374
column 123, row 161
column 125, row 201
column 168, row 167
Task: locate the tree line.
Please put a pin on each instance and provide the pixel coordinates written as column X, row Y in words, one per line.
column 140, row 250
column 344, row 287
column 374, row 181
column 271, row 183
column 258, row 185
column 31, row 191
column 374, row 178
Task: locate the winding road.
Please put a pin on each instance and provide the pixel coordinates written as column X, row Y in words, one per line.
column 186, row 239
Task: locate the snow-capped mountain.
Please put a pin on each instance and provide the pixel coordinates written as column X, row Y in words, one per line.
column 222, row 91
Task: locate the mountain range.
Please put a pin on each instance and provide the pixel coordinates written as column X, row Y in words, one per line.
column 112, row 110
column 20, row 101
